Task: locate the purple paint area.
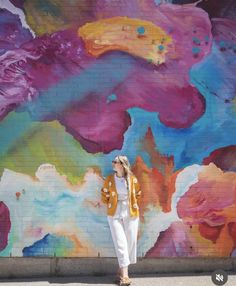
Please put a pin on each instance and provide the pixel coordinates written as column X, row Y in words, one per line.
column 175, row 241
column 224, row 158
column 165, row 89
column 46, row 61
column 153, row 92
column 59, row 56
column 97, row 131
column 233, row 254
column 221, row 9
column 5, row 225
column 224, row 36
column 12, row 34
column 18, row 3
column 15, row 84
column 175, row 20
column 37, row 65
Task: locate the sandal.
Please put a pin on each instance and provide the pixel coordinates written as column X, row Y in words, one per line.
column 125, row 281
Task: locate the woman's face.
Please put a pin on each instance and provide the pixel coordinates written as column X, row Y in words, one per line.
column 117, row 166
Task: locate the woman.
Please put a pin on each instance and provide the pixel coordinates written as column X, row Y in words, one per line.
column 121, row 193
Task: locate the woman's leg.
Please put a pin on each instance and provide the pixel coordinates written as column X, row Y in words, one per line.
column 131, row 225
column 120, row 241
column 124, row 271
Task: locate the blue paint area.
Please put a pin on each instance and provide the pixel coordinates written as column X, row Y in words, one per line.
column 111, row 98
column 140, row 120
column 141, row 30
column 100, row 78
column 196, row 50
column 13, row 127
column 12, row 34
column 158, row 2
column 216, row 74
column 222, row 44
column 47, row 203
column 161, row 48
column 215, row 80
column 196, row 40
column 49, row 245
column 189, row 145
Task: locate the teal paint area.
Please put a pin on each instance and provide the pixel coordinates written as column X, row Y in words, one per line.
column 48, row 8
column 12, row 128
column 111, row 98
column 100, row 78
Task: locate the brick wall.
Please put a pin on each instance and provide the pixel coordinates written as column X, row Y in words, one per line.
column 84, row 81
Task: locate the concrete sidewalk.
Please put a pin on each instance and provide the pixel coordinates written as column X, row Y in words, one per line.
column 137, row 280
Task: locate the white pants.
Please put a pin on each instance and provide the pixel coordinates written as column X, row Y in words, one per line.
column 124, row 232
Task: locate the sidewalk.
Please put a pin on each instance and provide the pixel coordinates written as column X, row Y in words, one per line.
column 137, row 280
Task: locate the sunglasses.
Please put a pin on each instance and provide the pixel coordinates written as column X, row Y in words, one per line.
column 115, row 162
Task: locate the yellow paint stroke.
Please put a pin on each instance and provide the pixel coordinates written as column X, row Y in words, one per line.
column 234, row 104
column 122, row 33
column 50, row 16
column 41, row 19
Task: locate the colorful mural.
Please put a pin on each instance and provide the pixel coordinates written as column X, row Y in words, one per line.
column 84, row 81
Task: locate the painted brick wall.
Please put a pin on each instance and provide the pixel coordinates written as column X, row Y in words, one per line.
column 84, row 81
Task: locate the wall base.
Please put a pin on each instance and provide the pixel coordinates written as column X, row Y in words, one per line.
column 18, row 267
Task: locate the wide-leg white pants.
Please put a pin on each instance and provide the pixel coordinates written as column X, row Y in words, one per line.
column 124, row 232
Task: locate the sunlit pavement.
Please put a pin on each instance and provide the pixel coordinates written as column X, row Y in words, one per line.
column 137, row 280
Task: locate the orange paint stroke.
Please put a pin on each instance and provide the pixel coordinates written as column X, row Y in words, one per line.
column 158, row 182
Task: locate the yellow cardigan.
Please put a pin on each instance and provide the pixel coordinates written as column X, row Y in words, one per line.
column 109, row 195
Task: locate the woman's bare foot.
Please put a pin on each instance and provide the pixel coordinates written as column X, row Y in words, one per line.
column 124, row 271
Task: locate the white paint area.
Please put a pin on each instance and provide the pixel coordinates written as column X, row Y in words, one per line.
column 48, row 203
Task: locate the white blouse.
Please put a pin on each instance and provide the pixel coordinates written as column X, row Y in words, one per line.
column 121, row 188
column 122, row 209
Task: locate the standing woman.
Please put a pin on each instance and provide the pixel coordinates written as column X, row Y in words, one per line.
column 121, row 193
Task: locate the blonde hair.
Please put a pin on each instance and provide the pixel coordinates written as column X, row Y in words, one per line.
column 125, row 163
column 127, row 168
